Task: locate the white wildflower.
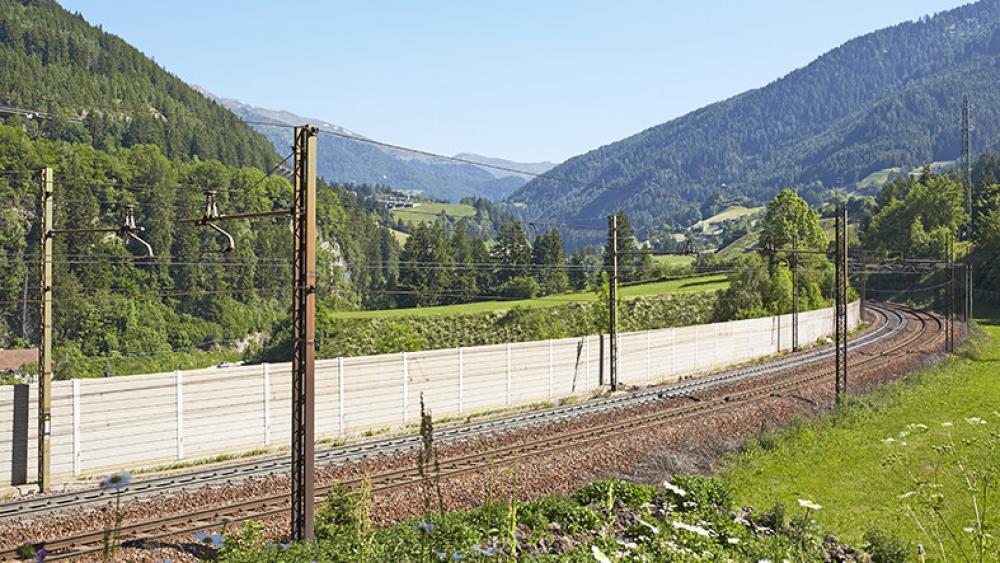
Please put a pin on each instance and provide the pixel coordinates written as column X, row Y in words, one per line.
column 889, row 440
column 627, row 544
column 732, row 541
column 903, row 434
column 916, row 426
column 947, row 424
column 599, row 555
column 975, row 420
column 693, row 529
column 809, row 504
column 674, row 489
column 652, row 528
column 689, row 504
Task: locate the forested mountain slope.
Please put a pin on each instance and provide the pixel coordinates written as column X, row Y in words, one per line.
column 121, row 131
column 54, row 61
column 117, row 308
column 888, row 98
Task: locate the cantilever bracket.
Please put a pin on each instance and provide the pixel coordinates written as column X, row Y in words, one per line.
column 212, row 214
column 230, row 243
column 126, row 230
column 129, row 228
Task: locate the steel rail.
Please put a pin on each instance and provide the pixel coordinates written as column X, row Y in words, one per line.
column 276, row 504
column 362, row 451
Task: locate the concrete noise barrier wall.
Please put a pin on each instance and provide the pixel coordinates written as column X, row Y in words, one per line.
column 141, row 420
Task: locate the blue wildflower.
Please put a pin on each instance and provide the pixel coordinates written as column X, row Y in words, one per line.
column 116, row 481
column 211, row 540
column 425, row 527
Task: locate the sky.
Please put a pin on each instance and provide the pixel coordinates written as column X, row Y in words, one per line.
column 525, row 80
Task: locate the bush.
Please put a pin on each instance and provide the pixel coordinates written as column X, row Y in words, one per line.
column 336, row 519
column 566, row 512
column 775, row 518
column 633, row 495
column 884, row 547
column 706, row 492
column 520, row 287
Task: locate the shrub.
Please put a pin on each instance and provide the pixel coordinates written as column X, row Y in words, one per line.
column 884, row 547
column 566, row 512
column 706, row 492
column 520, row 287
column 336, row 519
column 247, row 538
column 775, row 518
column 633, row 495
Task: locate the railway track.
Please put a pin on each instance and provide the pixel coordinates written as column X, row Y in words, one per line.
column 888, row 323
column 894, row 321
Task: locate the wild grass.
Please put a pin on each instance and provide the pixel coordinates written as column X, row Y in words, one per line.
column 918, row 458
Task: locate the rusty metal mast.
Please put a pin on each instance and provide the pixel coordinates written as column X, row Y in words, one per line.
column 45, row 330
column 613, row 301
column 304, row 334
column 840, row 292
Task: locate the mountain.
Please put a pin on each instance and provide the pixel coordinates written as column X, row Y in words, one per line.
column 530, row 167
column 891, row 98
column 349, row 161
column 54, row 62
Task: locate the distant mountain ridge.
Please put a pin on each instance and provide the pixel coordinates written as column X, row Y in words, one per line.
column 530, row 167
column 345, row 160
column 886, row 99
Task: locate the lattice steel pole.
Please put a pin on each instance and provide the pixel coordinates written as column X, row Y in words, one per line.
column 966, row 164
column 795, row 295
column 613, row 301
column 949, row 337
column 45, row 333
column 304, row 334
column 841, row 304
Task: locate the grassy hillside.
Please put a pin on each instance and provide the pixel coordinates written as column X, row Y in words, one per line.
column 428, row 212
column 686, row 285
column 738, row 246
column 728, row 214
column 885, row 460
column 673, row 259
column 872, row 182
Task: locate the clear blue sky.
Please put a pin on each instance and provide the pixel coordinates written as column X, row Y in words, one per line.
column 521, row 79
